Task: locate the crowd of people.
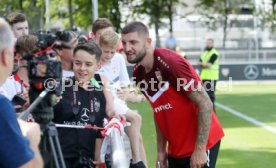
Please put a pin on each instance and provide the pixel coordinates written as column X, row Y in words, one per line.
column 186, row 137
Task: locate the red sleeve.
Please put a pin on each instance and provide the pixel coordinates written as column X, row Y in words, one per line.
column 179, row 72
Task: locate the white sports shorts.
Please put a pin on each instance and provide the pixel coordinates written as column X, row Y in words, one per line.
column 120, row 106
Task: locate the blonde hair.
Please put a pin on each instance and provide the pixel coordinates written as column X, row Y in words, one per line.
column 109, row 38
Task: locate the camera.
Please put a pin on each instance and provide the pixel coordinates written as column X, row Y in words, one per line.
column 43, row 65
column 44, row 70
column 45, row 74
column 18, row 100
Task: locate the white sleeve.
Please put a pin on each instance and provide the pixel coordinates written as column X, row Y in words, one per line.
column 124, row 77
column 10, row 88
column 3, row 92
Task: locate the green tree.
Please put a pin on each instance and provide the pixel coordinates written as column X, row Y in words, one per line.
column 33, row 9
column 81, row 12
column 171, row 6
column 7, row 6
column 111, row 9
column 268, row 17
column 156, row 10
column 216, row 13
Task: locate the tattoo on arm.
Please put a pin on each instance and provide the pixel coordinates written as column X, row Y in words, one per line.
column 202, row 100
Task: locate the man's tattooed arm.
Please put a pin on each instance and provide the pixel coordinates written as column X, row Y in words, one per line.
column 202, row 100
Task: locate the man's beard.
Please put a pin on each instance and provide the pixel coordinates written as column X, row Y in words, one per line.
column 139, row 57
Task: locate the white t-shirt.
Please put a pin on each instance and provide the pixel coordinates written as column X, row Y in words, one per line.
column 12, row 87
column 3, row 92
column 67, row 74
column 116, row 71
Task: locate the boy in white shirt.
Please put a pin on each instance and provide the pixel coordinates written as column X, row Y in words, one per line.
column 114, row 68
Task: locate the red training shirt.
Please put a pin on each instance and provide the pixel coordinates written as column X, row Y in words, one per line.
column 166, row 87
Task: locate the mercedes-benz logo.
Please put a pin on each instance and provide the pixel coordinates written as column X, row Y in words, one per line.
column 251, row 72
column 84, row 116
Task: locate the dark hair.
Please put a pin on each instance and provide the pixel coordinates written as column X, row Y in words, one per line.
column 90, row 47
column 101, row 23
column 138, row 27
column 65, row 36
column 210, row 39
column 16, row 17
column 26, row 43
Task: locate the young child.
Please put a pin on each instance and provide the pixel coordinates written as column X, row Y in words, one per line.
column 114, row 68
column 83, row 103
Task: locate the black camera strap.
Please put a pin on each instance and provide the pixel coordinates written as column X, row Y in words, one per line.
column 74, row 101
column 75, row 104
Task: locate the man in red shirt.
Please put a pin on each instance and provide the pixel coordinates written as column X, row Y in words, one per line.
column 183, row 112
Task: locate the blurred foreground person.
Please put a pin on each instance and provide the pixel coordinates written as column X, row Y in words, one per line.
column 16, row 150
column 17, row 85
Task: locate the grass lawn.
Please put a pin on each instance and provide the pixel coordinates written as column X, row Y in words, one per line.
column 245, row 145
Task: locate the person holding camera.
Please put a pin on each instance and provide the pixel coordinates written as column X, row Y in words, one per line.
column 69, row 41
column 17, row 85
column 19, row 148
column 85, row 101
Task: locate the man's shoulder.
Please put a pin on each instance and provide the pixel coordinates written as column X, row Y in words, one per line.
column 5, row 105
column 161, row 53
column 3, row 92
column 215, row 51
column 167, row 57
column 3, row 99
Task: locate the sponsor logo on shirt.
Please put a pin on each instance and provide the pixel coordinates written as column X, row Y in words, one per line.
column 78, row 123
column 163, row 107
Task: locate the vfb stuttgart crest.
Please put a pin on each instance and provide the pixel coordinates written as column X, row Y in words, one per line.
column 158, row 75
